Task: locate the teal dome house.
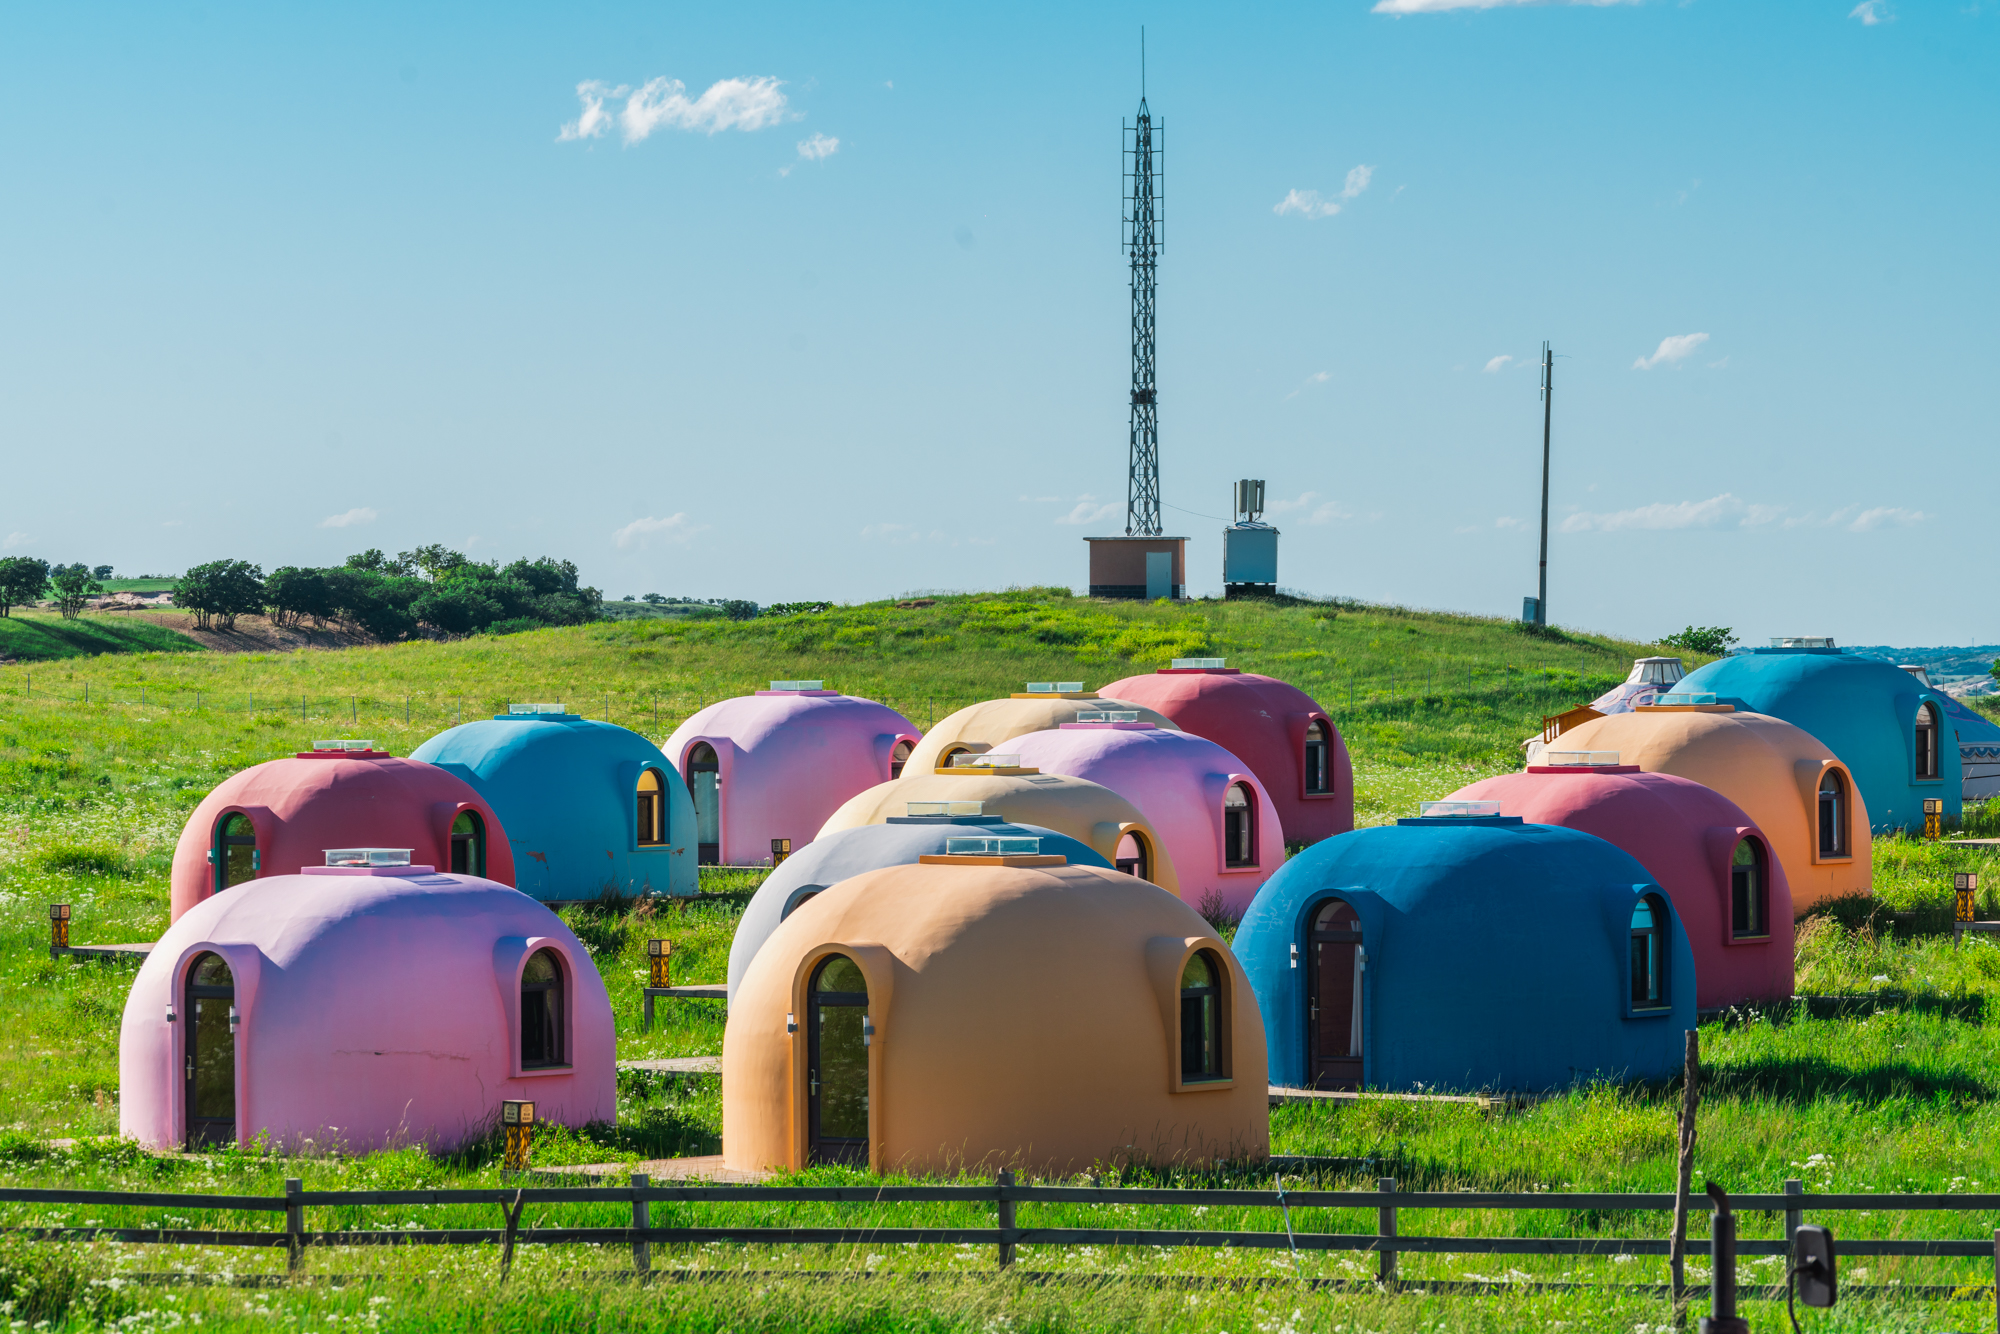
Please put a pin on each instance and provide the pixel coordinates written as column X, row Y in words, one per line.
column 1467, row 951
column 1890, row 728
column 590, row 808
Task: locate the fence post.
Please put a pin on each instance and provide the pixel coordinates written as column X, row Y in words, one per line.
column 1385, row 1260
column 1006, row 1216
column 1793, row 1216
column 642, row 1251
column 1677, row 1243
column 1996, row 1279
column 295, row 1225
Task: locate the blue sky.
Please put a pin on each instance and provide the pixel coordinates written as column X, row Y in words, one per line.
column 828, row 302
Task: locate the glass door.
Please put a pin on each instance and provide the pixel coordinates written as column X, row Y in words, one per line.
column 211, row 1053
column 837, row 1063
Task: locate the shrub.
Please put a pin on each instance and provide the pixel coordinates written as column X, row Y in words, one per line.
column 82, row 859
column 1713, row 640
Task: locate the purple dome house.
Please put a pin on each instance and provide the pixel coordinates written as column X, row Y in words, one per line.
column 362, row 1006
column 774, row 765
column 1213, row 817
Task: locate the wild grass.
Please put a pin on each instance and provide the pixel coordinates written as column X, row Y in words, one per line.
column 42, row 636
column 92, row 797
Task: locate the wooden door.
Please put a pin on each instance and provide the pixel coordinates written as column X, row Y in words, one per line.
column 1333, row 1000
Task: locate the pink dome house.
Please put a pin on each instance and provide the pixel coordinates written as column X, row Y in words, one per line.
column 362, row 1006
column 774, row 765
column 1285, row 738
column 1215, row 821
column 275, row 817
column 1717, row 866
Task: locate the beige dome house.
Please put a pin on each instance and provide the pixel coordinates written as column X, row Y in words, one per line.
column 1799, row 794
column 1091, row 814
column 992, row 723
column 986, row 1011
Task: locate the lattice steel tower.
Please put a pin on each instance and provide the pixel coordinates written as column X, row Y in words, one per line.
column 1144, row 194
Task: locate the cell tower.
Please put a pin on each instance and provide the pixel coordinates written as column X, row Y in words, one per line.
column 1144, row 192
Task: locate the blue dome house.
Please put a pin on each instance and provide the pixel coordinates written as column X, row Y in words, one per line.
column 589, row 808
column 1893, row 731
column 1467, row 952
column 901, row 841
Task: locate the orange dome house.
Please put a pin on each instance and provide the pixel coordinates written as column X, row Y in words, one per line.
column 991, row 723
column 930, row 1018
column 999, row 786
column 1793, row 788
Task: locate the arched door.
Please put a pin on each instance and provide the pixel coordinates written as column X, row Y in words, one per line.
column 1333, row 998
column 704, row 779
column 235, row 853
column 899, row 756
column 468, row 844
column 1132, row 858
column 210, row 1070
column 837, row 1063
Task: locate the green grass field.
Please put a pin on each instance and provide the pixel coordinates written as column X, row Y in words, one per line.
column 42, row 636
column 92, row 796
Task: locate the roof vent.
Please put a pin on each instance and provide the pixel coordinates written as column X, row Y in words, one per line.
column 544, row 707
column 798, row 685
column 992, row 845
column 1055, row 687
column 968, row 760
column 1207, row 664
column 1435, row 809
column 916, row 809
column 343, row 744
column 1801, row 641
column 1579, row 759
column 1108, row 716
column 368, row 856
column 1689, row 697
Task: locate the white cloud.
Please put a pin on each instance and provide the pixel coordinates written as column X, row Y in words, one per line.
column 728, row 104
column 898, row 532
column 1317, row 377
column 1441, row 6
column 1498, row 363
column 1869, row 520
column 1672, row 349
column 640, row 533
column 1088, row 511
column 1870, row 12
column 819, row 147
column 358, row 515
column 1680, row 514
column 1307, row 203
column 1507, row 521
column 1323, row 511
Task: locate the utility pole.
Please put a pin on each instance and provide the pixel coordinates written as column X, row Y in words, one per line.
column 1548, row 400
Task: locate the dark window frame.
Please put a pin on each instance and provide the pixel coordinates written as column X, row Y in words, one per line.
column 1653, row 964
column 1202, row 1056
column 649, row 814
column 551, row 1019
column 1926, row 737
column 1832, row 816
column 1318, row 759
column 1750, row 892
column 899, row 756
column 1239, row 836
column 203, row 1130
column 223, row 840
column 821, row 1147
column 472, row 840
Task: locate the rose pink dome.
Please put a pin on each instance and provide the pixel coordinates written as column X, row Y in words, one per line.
column 1687, row 836
column 1187, row 788
column 303, row 804
column 1268, row 723
column 370, row 1007
column 777, row 763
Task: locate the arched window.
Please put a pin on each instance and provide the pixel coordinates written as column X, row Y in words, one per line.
column 1747, row 913
column 899, row 755
column 542, row 1028
column 1201, row 1018
column 837, row 1062
column 1133, row 857
column 1832, row 814
column 1333, row 998
column 652, row 809
column 704, row 780
column 1649, row 963
column 798, row 896
column 209, row 1002
column 1319, row 768
column 468, row 844
column 1927, row 741
column 235, row 852
column 1239, row 827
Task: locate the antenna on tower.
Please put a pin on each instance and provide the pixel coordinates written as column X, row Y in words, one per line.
column 1145, row 143
column 1548, row 406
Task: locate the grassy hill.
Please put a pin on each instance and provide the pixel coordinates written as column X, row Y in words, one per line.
column 41, row 636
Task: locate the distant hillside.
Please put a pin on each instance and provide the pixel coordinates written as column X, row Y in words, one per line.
column 38, row 636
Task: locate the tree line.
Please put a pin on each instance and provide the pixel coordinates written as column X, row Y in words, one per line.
column 25, row 580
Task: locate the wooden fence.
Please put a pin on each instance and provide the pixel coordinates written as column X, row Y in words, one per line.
column 1005, row 1198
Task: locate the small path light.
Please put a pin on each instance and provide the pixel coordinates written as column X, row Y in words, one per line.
column 1965, row 902
column 659, row 954
column 517, row 1119
column 58, row 928
column 781, row 848
column 1933, row 815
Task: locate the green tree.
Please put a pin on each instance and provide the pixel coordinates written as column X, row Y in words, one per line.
column 73, row 588
column 1713, row 640
column 22, row 579
column 374, row 562
column 220, row 591
column 433, row 562
column 292, row 594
